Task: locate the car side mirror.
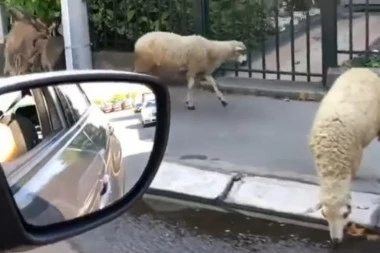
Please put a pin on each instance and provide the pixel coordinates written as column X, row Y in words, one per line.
column 74, row 153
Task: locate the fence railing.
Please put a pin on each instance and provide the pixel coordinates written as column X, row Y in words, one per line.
column 287, row 41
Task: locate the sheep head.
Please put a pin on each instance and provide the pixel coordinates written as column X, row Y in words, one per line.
column 239, row 52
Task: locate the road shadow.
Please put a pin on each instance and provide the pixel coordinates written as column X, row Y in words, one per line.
column 248, row 230
column 357, row 246
column 40, row 212
column 134, row 166
column 146, row 133
column 134, row 126
column 122, row 118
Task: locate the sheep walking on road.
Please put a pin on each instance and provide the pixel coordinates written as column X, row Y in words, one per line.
column 193, row 56
column 347, row 120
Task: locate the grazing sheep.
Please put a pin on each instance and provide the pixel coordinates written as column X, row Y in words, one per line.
column 347, row 120
column 194, row 56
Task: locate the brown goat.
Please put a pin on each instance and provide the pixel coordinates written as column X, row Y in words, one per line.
column 36, row 46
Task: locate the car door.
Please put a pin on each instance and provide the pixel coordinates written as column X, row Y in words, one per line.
column 87, row 150
column 62, row 178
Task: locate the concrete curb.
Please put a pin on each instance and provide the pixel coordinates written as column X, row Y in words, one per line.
column 280, row 89
column 270, row 88
column 275, row 197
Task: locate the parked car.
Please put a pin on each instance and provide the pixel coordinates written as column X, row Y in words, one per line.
column 148, row 113
column 137, row 107
column 107, row 107
column 76, row 147
column 116, row 106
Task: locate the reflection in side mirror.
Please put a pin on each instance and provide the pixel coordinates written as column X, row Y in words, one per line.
column 73, row 149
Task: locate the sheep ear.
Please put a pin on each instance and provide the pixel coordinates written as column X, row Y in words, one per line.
column 240, row 49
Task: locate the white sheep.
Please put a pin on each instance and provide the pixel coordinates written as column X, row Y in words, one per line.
column 347, row 120
column 194, row 56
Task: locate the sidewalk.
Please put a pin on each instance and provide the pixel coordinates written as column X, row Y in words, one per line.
column 274, row 197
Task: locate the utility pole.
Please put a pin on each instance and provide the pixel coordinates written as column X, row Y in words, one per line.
column 3, row 24
column 76, row 34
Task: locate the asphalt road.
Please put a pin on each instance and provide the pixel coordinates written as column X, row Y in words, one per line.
column 251, row 132
column 158, row 227
column 136, row 141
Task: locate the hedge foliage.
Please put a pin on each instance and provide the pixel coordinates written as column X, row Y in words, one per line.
column 120, row 25
column 46, row 10
column 117, row 24
column 370, row 61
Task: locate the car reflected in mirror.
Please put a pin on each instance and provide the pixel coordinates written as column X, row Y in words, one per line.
column 74, row 148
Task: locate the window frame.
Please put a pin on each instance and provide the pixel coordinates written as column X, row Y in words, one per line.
column 68, row 109
column 26, row 165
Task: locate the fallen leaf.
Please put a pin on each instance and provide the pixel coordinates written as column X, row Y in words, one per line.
column 353, row 230
column 373, row 237
column 303, row 96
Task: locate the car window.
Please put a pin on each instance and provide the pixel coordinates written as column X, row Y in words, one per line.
column 25, row 122
column 74, row 101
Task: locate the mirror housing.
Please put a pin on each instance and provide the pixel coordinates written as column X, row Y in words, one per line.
column 18, row 234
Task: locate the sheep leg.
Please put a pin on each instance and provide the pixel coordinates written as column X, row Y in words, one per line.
column 189, row 99
column 219, row 94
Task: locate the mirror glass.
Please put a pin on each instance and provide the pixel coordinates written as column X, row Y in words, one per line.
column 72, row 149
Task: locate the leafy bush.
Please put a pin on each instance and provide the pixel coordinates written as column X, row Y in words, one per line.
column 372, row 61
column 123, row 23
column 117, row 24
column 119, row 97
column 127, row 20
column 244, row 20
column 98, row 102
column 299, row 5
column 46, row 10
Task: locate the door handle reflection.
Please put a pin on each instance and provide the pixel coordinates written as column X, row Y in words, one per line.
column 105, row 185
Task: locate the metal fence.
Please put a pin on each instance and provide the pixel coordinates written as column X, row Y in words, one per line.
column 301, row 50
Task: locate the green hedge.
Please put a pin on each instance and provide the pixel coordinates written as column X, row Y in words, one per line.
column 372, row 61
column 116, row 24
column 46, row 10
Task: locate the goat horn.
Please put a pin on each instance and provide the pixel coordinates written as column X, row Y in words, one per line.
column 16, row 13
